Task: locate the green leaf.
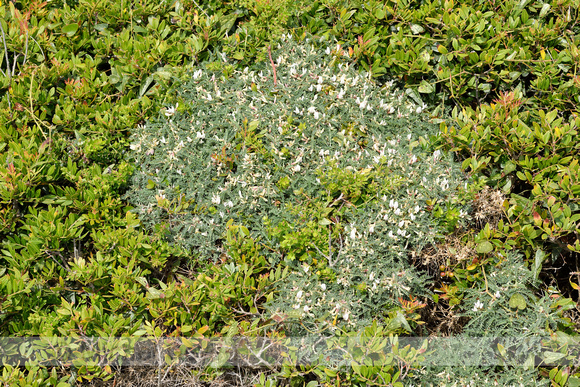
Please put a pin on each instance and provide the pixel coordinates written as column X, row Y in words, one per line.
column 545, row 9
column 538, row 259
column 484, row 247
column 102, row 26
column 574, row 381
column 426, row 87
column 552, row 357
column 509, row 167
column 70, row 29
column 416, row 29
column 517, row 301
column 442, row 49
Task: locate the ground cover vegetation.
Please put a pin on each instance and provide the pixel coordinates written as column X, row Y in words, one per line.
column 360, row 172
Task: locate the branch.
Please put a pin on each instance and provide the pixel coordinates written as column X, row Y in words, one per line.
column 272, row 63
column 7, row 67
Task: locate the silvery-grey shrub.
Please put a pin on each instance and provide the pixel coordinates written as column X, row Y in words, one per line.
column 320, row 117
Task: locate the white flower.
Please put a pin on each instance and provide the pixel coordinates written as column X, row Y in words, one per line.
column 229, row 203
column 436, row 155
column 497, row 294
column 393, row 204
column 215, row 199
column 296, row 168
column 345, row 315
column 197, row 74
column 306, row 308
column 478, row 306
column 413, row 159
column 136, row 147
column 371, row 228
column 323, row 286
column 401, row 224
column 171, row 110
column 201, row 134
column 299, row 295
column 163, row 140
column 353, row 233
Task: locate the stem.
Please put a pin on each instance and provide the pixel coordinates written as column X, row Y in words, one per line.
column 5, row 51
column 7, row 68
column 272, row 63
column 26, row 50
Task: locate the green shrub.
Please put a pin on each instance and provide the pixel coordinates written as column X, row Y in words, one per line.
column 534, row 160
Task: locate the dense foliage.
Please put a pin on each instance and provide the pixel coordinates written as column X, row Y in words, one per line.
column 99, row 231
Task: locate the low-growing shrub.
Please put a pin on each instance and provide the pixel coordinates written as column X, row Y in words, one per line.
column 321, row 169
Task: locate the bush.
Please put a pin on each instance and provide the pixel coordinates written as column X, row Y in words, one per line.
column 322, row 170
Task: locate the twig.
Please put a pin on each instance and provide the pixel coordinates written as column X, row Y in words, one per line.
column 40, row 48
column 5, row 51
column 329, row 256
column 201, row 9
column 26, row 50
column 486, row 287
column 64, row 267
column 32, row 110
column 14, row 63
column 7, row 67
column 272, row 63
